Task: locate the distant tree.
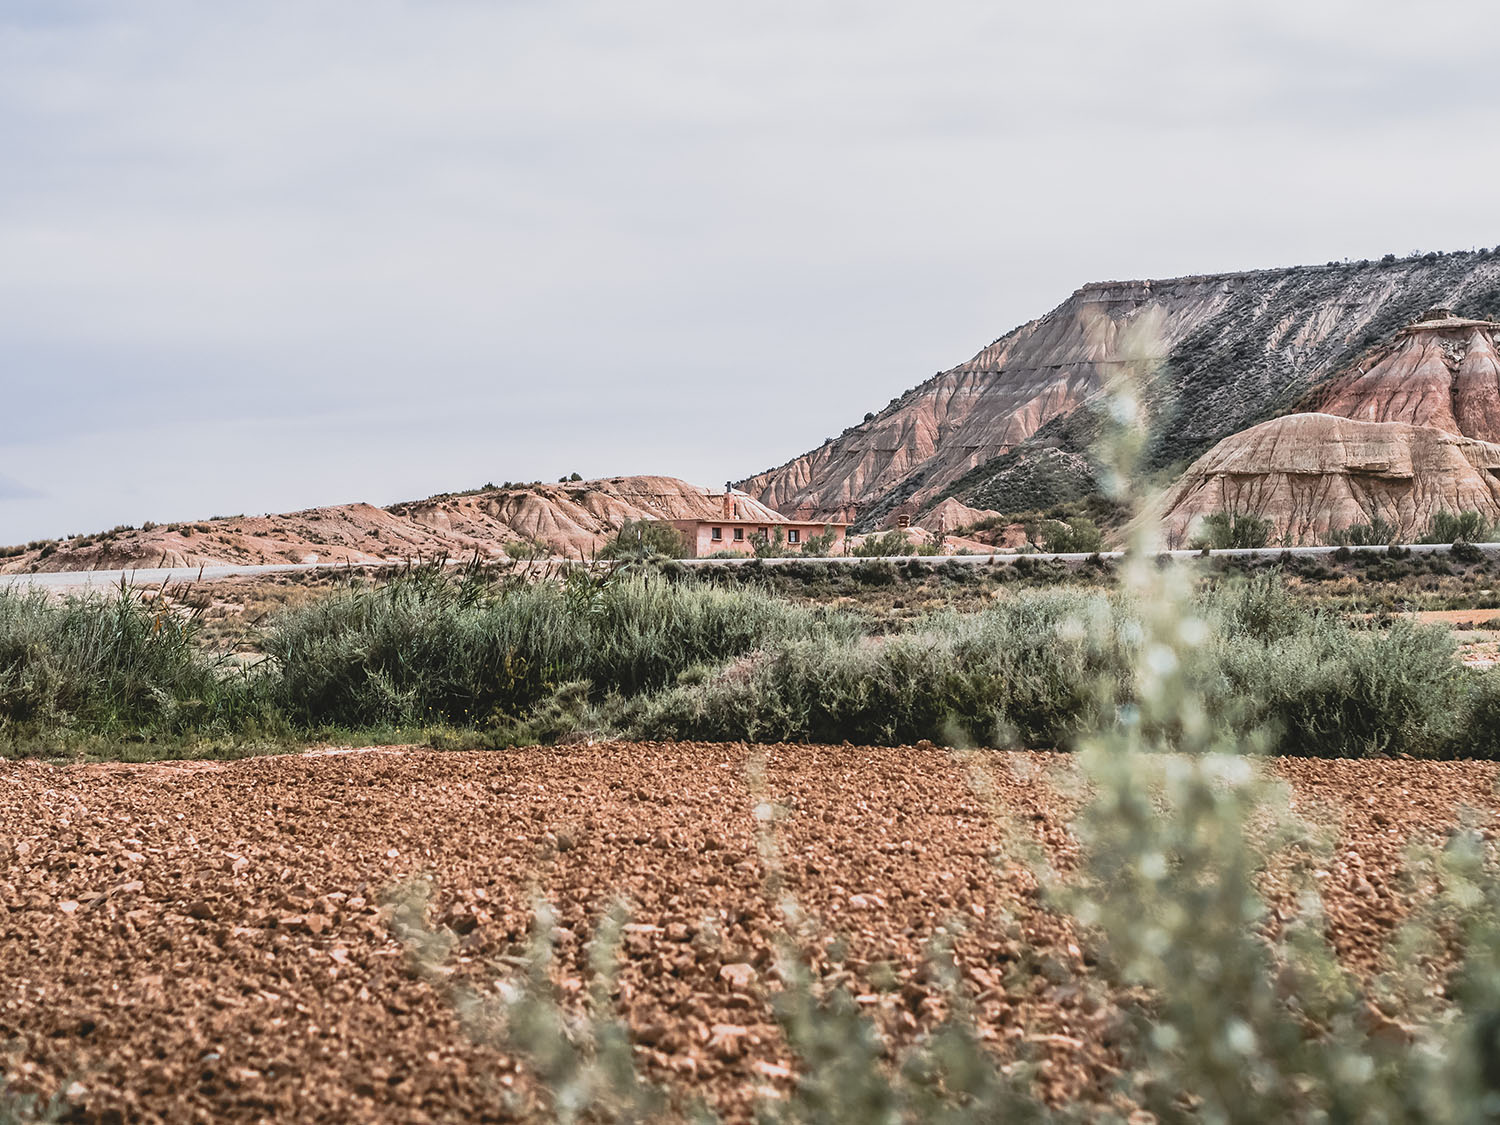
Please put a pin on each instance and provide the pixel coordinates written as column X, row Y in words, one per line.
column 1462, row 527
column 574, row 477
column 889, row 543
column 1224, row 531
column 819, row 546
column 527, row 549
column 641, row 539
column 1080, row 535
column 769, row 547
column 1376, row 533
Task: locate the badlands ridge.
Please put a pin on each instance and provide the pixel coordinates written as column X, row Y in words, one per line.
column 572, row 519
column 1315, row 397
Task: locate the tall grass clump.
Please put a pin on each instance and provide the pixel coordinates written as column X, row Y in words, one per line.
column 1026, row 670
column 429, row 647
column 110, row 665
column 1321, row 686
column 1020, row 673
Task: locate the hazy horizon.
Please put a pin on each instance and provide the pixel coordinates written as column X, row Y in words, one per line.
column 268, row 257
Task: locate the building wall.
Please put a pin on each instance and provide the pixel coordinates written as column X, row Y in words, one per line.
column 701, row 542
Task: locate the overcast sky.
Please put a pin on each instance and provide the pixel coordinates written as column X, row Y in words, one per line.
column 263, row 255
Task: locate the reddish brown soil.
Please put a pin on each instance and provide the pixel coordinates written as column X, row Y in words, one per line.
column 207, row 942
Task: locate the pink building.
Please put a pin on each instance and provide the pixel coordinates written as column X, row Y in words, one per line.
column 743, row 520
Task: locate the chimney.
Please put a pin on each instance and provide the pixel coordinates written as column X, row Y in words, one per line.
column 728, row 504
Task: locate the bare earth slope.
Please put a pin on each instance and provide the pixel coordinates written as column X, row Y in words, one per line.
column 1313, row 473
column 1416, row 431
column 1236, row 349
column 570, row 519
column 212, row 941
column 1443, row 373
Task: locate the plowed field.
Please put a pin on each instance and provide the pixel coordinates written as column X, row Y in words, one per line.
column 211, row 941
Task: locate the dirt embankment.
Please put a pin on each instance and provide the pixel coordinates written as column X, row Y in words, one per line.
column 208, row 942
column 573, row 519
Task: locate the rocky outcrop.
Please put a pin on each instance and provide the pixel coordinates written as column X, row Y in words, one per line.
column 1412, row 430
column 1230, row 350
column 1312, row 474
column 1439, row 372
column 948, row 515
column 572, row 519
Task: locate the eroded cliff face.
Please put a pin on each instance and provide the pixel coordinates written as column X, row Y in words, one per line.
column 573, row 519
column 1313, row 474
column 1411, row 430
column 1231, row 350
column 1441, row 372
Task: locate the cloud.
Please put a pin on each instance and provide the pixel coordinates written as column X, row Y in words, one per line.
column 15, row 490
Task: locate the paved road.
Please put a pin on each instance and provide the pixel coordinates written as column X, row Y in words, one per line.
column 149, row 576
column 156, row 575
column 982, row 560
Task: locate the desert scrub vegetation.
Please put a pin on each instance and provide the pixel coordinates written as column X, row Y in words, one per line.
column 1459, row 527
column 1228, row 530
column 1024, row 672
column 657, row 654
column 645, row 539
column 120, row 667
column 474, row 654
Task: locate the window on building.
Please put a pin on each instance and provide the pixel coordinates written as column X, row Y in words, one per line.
column 716, row 534
column 794, row 536
column 739, row 534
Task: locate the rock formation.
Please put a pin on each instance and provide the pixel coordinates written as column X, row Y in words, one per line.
column 1231, row 350
column 1441, row 371
column 571, row 519
column 1412, row 430
column 1312, row 474
column 950, row 514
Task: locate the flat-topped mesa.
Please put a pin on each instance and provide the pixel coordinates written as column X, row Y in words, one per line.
column 1232, row 349
column 1441, row 319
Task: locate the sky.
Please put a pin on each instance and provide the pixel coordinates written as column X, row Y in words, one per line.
column 259, row 255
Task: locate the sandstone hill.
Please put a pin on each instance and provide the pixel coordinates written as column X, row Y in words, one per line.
column 1410, row 430
column 1312, row 474
column 1010, row 428
column 571, row 519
